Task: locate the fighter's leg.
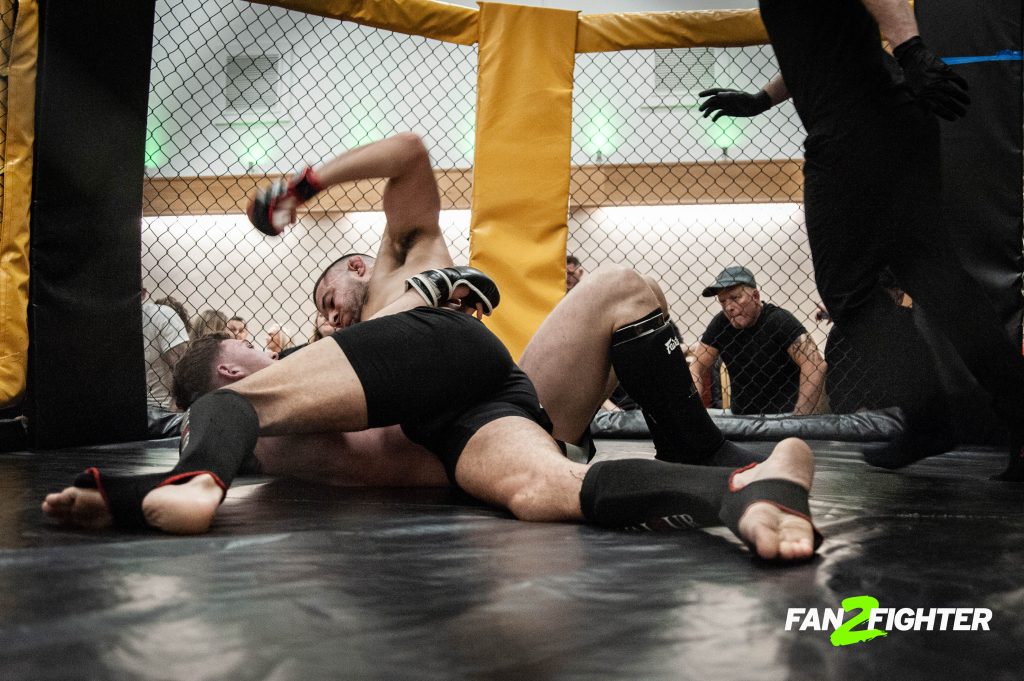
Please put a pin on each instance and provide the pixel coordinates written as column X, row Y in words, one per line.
column 389, row 388
column 511, row 462
column 614, row 317
column 568, row 359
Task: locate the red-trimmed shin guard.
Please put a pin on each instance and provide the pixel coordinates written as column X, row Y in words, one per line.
column 218, row 433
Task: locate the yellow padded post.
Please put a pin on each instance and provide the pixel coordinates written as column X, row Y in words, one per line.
column 521, row 167
column 650, row 30
column 437, row 20
column 17, row 193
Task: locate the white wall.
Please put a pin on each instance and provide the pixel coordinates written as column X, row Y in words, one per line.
column 350, row 85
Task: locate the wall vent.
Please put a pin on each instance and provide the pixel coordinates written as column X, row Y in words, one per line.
column 256, row 87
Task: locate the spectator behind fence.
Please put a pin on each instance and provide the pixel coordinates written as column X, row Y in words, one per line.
column 179, row 308
column 321, row 328
column 237, row 328
column 773, row 364
column 164, row 337
column 278, row 339
column 573, row 272
column 209, row 322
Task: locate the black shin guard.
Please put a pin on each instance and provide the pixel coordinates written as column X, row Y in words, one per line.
column 651, row 495
column 648, row 359
column 218, row 433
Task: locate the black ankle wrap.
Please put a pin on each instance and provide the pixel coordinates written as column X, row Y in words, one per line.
column 783, row 494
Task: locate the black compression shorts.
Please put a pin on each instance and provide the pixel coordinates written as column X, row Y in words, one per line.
column 440, row 374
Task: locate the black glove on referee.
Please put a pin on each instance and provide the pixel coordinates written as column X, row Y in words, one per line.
column 937, row 85
column 727, row 102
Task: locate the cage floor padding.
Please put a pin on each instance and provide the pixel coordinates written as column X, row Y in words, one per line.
column 304, row 582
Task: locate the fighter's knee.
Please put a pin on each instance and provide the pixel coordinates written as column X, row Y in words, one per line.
column 620, row 282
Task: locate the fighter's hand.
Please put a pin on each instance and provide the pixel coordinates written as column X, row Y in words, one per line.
column 930, row 79
column 728, row 102
column 458, row 301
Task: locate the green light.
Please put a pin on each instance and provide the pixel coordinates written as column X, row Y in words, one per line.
column 156, row 138
column 600, row 129
column 726, row 131
column 254, row 145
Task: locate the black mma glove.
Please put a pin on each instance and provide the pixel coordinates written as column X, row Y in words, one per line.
column 728, row 102
column 436, row 286
column 931, row 80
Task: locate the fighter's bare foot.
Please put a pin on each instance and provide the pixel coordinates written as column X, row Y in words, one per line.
column 78, row 506
column 773, row 533
column 183, row 509
column 188, row 508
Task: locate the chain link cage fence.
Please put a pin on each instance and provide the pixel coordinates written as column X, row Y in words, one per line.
column 242, row 94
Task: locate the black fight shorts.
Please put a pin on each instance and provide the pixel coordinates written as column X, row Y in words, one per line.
column 439, row 373
column 446, row 435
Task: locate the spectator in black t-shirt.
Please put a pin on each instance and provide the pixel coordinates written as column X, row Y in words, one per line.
column 774, row 365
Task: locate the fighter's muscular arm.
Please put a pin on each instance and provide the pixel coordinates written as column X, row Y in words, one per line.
column 410, row 200
column 412, row 240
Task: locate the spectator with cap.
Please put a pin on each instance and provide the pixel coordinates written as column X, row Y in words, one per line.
column 774, row 366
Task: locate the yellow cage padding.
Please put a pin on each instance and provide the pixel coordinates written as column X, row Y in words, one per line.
column 521, row 171
column 19, row 111
column 437, row 20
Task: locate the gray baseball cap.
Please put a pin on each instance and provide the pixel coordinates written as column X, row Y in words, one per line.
column 733, row 275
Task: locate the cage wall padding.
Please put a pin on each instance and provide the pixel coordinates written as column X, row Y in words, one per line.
column 86, row 367
column 874, row 426
column 19, row 110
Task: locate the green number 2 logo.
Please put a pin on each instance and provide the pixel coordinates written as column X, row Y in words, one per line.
column 845, row 635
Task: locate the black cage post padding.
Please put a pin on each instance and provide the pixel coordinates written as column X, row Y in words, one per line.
column 86, row 367
column 983, row 179
column 983, row 166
